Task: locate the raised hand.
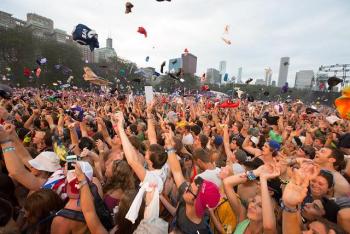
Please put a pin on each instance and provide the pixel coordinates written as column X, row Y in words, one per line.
column 85, row 153
column 268, row 171
column 79, row 173
column 118, row 120
column 296, row 190
column 169, row 139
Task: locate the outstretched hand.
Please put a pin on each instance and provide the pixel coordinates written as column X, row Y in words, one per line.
column 296, row 190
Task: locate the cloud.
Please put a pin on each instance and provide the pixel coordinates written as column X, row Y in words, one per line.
column 310, row 32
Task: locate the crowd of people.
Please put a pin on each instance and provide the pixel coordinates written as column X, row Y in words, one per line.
column 81, row 162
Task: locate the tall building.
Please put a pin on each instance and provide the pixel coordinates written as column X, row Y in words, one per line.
column 239, row 76
column 109, row 43
column 268, row 76
column 213, row 76
column 41, row 26
column 303, row 79
column 283, row 72
column 175, row 64
column 189, row 63
column 104, row 54
column 7, row 21
column 60, row 35
column 222, row 69
column 88, row 55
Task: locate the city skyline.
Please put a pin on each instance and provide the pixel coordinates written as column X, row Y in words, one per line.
column 310, row 33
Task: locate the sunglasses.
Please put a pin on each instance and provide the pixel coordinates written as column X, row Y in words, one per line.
column 198, row 182
column 189, row 190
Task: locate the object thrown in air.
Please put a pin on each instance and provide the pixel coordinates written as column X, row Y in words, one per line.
column 85, row 36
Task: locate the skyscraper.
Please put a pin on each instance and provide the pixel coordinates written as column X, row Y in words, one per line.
column 239, row 76
column 213, row 76
column 189, row 63
column 104, row 54
column 268, row 75
column 283, row 72
column 222, row 69
column 109, row 43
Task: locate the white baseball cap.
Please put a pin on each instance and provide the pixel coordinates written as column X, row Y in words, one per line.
column 255, row 140
column 46, row 161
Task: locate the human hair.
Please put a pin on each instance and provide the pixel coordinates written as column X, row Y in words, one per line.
column 204, row 140
column 178, row 144
column 135, row 142
column 125, row 225
column 239, row 125
column 327, row 175
column 196, row 129
column 98, row 136
column 172, row 126
column 133, row 128
column 338, row 155
column 158, row 156
column 48, row 138
column 86, row 142
column 201, row 154
column 329, row 225
column 122, row 177
column 40, row 205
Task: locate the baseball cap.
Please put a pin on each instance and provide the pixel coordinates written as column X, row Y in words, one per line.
column 274, row 145
column 218, row 140
column 241, row 156
column 208, row 196
column 254, row 139
column 46, row 161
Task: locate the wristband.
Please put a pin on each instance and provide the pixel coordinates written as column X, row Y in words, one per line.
column 8, row 149
column 82, row 183
column 171, row 150
column 250, row 175
column 288, row 209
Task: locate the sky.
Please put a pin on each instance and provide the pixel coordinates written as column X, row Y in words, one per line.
column 311, row 32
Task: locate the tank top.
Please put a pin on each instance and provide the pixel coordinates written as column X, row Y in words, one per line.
column 242, row 226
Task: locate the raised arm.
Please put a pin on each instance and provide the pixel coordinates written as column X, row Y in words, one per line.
column 269, row 220
column 293, row 195
column 129, row 150
column 232, row 197
column 14, row 165
column 151, row 131
column 227, row 147
column 87, row 204
column 29, row 123
column 250, row 149
column 174, row 164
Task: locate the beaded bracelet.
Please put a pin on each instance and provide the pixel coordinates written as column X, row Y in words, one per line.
column 8, row 149
column 250, row 175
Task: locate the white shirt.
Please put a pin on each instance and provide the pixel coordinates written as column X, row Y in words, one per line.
column 212, row 176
